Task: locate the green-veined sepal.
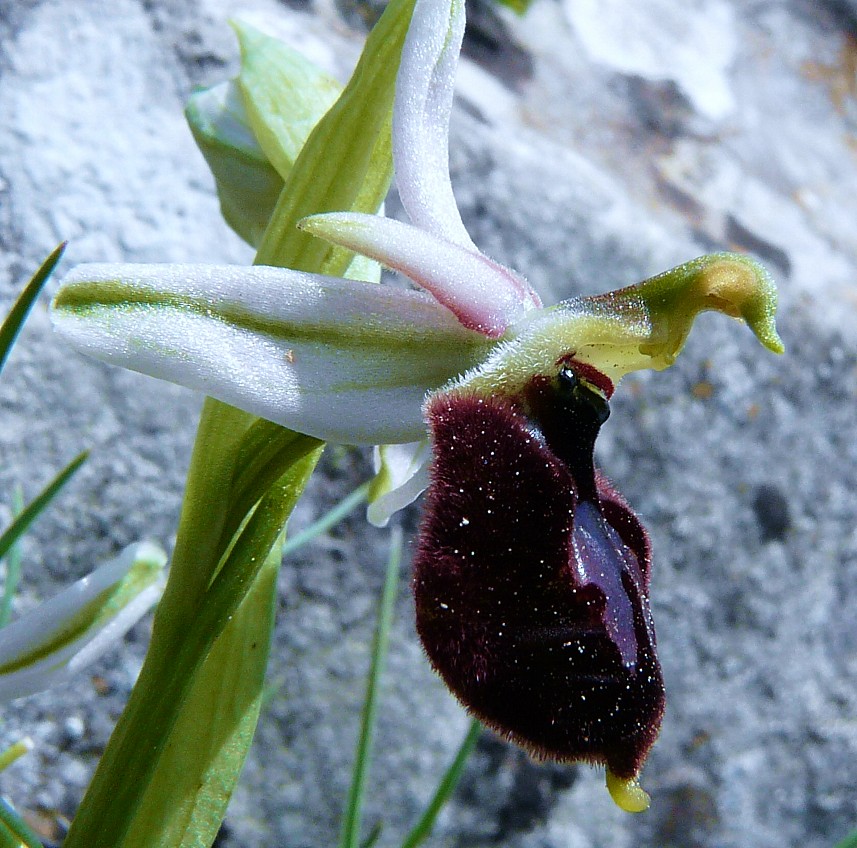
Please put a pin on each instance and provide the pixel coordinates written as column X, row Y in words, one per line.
column 252, row 129
column 52, row 642
column 341, row 360
column 248, row 185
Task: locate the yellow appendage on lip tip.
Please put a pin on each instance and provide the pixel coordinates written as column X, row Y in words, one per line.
column 627, row 793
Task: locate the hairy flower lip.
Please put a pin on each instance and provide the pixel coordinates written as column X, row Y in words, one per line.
column 507, row 621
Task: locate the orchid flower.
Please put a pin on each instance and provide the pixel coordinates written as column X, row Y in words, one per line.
column 531, row 573
column 52, row 643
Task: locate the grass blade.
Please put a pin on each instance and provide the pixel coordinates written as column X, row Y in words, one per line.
column 21, row 308
column 445, row 788
column 328, row 520
column 374, row 836
column 19, row 828
column 29, row 514
column 350, row 837
column 849, row 841
column 15, row 752
column 13, row 564
column 7, row 838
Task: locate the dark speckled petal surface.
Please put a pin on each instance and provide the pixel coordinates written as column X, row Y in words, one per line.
column 503, row 610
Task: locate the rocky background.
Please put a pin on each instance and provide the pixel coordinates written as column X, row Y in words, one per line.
column 595, row 142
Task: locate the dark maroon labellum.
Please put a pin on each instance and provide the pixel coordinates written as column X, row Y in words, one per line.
column 532, row 575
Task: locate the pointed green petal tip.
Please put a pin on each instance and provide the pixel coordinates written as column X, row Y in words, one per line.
column 284, row 94
column 638, row 327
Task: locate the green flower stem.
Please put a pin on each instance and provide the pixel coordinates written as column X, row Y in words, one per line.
column 849, row 841
column 201, row 631
column 423, row 828
column 265, row 449
column 350, row 837
column 204, row 513
column 139, row 741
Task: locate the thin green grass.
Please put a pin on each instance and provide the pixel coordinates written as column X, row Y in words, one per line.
column 13, row 827
column 28, row 515
column 13, row 322
column 849, row 841
column 13, row 563
column 423, row 828
column 328, row 520
column 350, row 837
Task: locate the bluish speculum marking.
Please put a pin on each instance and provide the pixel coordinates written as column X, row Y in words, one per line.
column 570, row 410
column 600, row 558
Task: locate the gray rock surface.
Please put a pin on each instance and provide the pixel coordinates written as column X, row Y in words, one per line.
column 593, row 144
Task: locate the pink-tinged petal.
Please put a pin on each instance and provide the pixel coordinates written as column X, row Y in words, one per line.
column 340, row 360
column 424, row 92
column 482, row 294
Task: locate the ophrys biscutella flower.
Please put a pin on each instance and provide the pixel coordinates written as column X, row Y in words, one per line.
column 532, row 573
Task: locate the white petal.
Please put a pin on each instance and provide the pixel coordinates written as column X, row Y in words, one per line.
column 53, row 641
column 401, row 476
column 424, row 92
column 340, row 360
column 483, row 295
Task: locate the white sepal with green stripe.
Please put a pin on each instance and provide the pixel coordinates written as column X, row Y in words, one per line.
column 52, row 642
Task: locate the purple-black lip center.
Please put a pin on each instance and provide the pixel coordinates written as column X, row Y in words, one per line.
column 570, row 410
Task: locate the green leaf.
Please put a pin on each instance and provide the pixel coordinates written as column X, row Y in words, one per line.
column 205, row 758
column 7, row 838
column 21, row 308
column 346, row 162
column 422, row 829
column 285, row 95
column 29, row 514
column 265, row 451
column 373, row 836
column 350, row 837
